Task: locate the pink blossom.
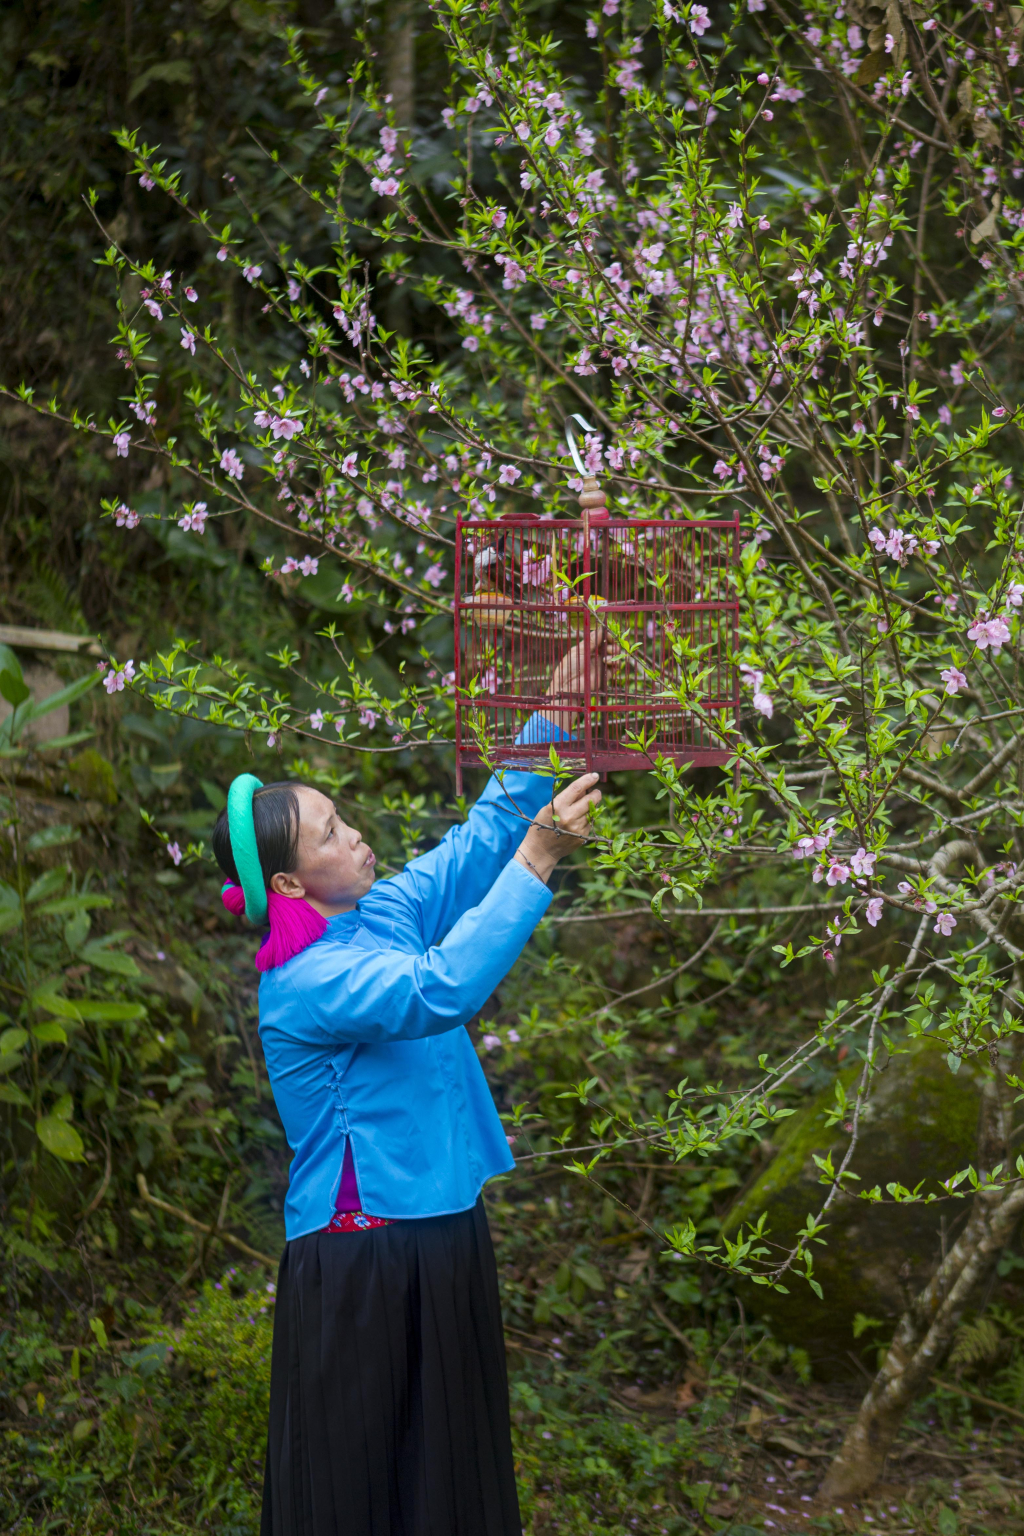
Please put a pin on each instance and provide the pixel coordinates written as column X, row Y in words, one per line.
column 508, row 474
column 195, row 520
column 146, row 182
column 434, row 574
column 321, row 93
column 763, row 704
column 722, row 470
column 954, row 679
column 121, row 441
column 368, row 718
column 989, row 632
column 125, row 517
column 174, row 853
column 873, row 910
column 945, row 923
column 114, row 682
column 188, row 340
column 251, row 272
column 890, row 42
column 863, row 863
column 698, row 20
column 838, row 873
column 1015, row 594
column 294, row 292
column 222, row 254
column 385, row 187
column 286, row 427
column 154, row 309
column 538, row 322
column 191, row 295
column 316, row 720
column 231, row 464
column 490, row 1042
column 905, row 83
column 764, row 224
column 289, row 565
column 350, row 464
column 308, row 565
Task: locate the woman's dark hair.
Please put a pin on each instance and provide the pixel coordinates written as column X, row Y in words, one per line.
column 275, row 817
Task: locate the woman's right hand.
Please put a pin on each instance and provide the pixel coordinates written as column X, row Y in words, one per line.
column 561, row 826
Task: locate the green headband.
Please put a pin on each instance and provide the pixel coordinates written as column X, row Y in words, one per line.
column 243, row 846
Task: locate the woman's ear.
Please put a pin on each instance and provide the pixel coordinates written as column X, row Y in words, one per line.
column 287, row 885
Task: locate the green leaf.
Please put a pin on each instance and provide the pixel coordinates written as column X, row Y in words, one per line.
column 46, row 885
column 58, row 743
column 173, row 72
column 51, row 1000
column 953, row 1062
column 50, row 1033
column 12, row 1040
column 590, row 1276
column 10, row 1093
column 96, row 953
column 60, row 1138
column 947, row 1522
column 64, row 1107
column 67, row 904
column 9, row 896
column 96, row 1324
column 12, row 686
column 63, row 696
column 109, row 1013
column 9, row 1060
column 76, row 930
column 9, row 919
column 52, row 837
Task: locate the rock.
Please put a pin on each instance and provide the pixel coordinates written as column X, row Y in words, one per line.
column 919, row 1126
column 93, row 777
column 41, row 683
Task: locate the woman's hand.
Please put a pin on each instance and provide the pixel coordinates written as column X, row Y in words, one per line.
column 559, row 827
column 577, row 674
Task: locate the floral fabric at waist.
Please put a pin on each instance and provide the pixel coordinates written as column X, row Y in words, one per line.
column 355, row 1221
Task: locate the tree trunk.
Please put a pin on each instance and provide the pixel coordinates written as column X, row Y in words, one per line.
column 926, row 1329
column 400, row 61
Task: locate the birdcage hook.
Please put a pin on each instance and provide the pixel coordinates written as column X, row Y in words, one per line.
column 592, row 499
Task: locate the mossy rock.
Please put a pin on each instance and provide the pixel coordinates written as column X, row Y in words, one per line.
column 920, row 1126
column 93, row 777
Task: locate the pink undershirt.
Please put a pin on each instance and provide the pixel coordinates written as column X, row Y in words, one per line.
column 348, row 1213
column 348, row 1190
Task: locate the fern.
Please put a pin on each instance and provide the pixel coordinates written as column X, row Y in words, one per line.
column 47, row 596
column 976, row 1343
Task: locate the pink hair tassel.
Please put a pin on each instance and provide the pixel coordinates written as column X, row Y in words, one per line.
column 294, row 925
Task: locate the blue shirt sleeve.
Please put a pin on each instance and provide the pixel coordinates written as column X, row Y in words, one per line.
column 433, row 891
column 347, row 994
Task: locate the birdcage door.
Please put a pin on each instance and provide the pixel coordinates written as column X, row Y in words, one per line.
column 528, row 590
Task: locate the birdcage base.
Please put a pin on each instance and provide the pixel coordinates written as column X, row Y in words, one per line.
column 651, row 601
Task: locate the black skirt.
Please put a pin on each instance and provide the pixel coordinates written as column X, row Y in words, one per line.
column 389, row 1407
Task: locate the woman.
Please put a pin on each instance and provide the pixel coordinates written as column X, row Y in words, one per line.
column 388, row 1399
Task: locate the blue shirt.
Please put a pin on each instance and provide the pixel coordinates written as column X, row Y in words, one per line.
column 363, row 1031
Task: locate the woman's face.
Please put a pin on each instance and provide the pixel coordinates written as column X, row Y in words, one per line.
column 335, row 867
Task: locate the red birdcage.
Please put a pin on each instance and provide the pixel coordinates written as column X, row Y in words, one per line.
column 527, row 590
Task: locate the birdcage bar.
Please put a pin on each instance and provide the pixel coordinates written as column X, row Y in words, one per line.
column 527, row 590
